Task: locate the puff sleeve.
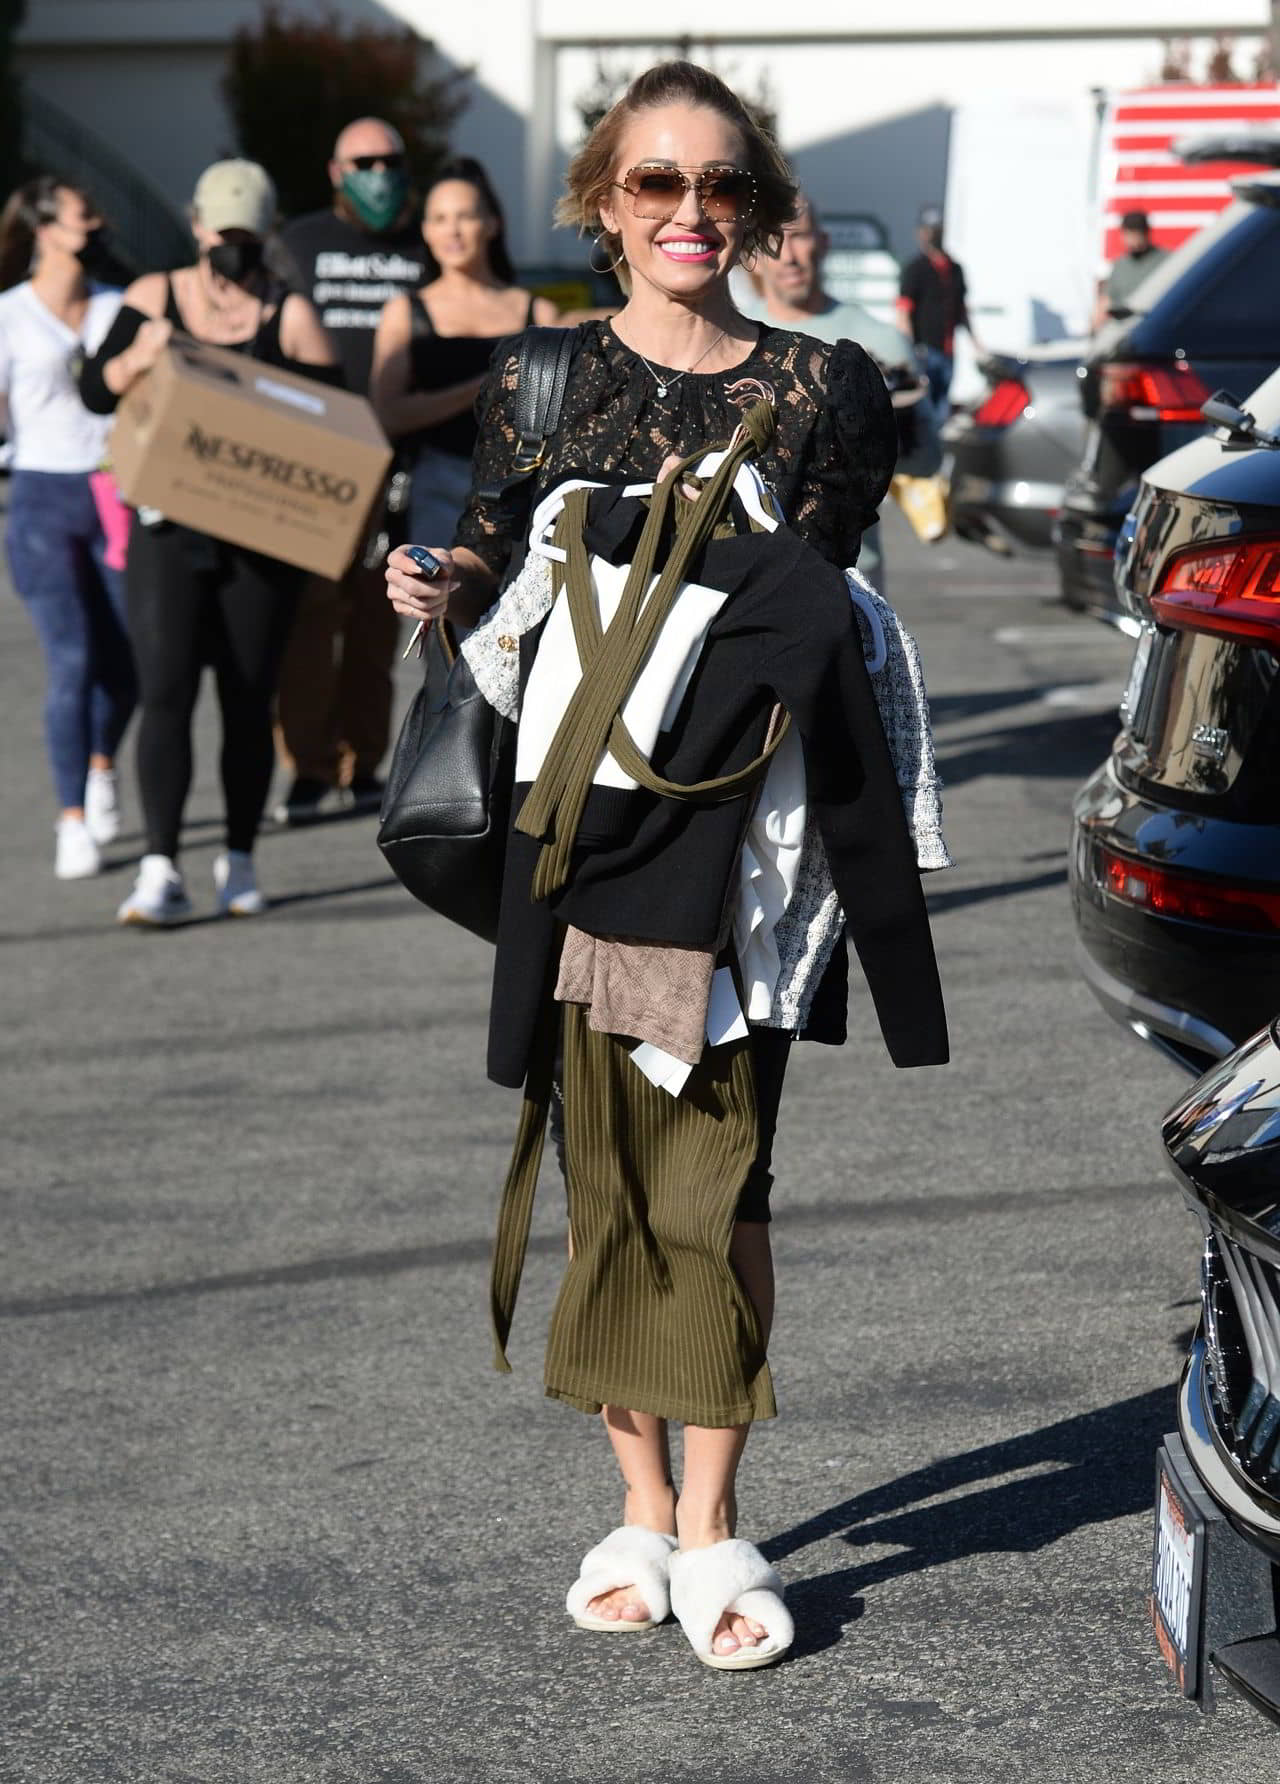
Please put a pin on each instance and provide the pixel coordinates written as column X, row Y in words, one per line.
column 851, row 454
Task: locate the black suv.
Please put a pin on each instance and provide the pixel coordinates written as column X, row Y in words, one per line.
column 1175, row 865
column 1215, row 1576
column 1206, row 318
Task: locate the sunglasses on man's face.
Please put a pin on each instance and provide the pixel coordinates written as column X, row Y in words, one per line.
column 725, row 194
column 366, row 163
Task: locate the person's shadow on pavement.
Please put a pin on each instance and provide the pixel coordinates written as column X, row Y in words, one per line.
column 1089, row 1470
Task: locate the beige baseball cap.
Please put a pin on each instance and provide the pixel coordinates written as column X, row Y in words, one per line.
column 235, row 195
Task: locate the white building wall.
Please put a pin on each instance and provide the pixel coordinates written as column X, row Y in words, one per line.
column 724, row 20
column 157, row 105
column 866, row 124
column 864, row 92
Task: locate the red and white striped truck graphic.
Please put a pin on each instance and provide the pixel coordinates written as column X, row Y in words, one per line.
column 1138, row 170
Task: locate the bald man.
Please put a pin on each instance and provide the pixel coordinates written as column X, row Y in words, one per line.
column 334, row 704
column 365, row 249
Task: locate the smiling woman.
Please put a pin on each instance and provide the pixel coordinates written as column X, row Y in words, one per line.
column 677, row 182
column 747, row 185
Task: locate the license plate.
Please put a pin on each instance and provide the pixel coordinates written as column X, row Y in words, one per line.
column 1177, row 1578
column 1137, row 675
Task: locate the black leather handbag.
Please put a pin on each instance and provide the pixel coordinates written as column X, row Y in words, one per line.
column 447, row 802
column 448, row 794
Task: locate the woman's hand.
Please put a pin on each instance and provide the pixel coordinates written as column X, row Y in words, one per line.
column 139, row 356
column 148, row 344
column 409, row 591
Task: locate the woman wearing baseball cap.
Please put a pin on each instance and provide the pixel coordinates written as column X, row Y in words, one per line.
column 193, row 599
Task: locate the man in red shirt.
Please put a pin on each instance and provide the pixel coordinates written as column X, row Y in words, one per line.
column 932, row 305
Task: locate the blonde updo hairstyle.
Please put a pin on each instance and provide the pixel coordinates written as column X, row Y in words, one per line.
column 594, row 168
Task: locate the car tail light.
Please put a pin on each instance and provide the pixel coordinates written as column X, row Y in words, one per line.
column 1232, row 588
column 1169, row 893
column 1152, row 392
column 1003, row 404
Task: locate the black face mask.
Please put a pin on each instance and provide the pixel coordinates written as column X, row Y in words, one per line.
column 236, row 261
column 94, row 253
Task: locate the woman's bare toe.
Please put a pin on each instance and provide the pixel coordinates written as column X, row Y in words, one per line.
column 734, row 1632
column 619, row 1606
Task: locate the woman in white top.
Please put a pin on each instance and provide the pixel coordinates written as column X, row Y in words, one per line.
column 57, row 545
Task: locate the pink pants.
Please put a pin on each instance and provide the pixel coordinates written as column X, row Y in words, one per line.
column 114, row 515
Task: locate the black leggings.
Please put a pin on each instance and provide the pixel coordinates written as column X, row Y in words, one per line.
column 770, row 1052
column 192, row 600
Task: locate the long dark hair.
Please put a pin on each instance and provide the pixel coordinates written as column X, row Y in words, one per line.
column 28, row 208
column 465, row 167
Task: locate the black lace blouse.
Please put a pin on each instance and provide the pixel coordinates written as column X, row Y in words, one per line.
column 829, row 463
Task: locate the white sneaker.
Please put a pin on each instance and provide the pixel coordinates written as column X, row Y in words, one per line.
column 159, row 896
column 77, row 855
column 235, row 884
column 102, row 805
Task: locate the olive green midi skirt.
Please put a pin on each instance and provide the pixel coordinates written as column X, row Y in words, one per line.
column 651, row 1314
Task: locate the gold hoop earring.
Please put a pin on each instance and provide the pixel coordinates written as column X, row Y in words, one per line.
column 612, row 266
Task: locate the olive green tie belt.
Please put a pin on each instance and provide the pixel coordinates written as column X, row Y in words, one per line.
column 612, row 658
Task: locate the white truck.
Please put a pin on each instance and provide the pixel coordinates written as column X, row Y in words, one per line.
column 1036, row 187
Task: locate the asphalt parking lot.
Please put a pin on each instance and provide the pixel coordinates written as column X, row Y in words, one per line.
column 269, row 1518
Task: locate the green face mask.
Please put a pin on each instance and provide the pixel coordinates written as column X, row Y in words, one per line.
column 376, row 194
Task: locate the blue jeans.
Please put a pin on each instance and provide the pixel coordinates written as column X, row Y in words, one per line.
column 56, row 554
column 437, row 496
column 936, row 366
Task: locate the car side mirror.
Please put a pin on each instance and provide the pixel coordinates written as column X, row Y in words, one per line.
column 1224, row 410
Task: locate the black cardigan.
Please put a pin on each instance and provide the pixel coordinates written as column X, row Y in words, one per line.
column 659, row 869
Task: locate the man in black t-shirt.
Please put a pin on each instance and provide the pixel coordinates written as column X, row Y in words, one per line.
column 932, row 305
column 367, row 247
column 334, row 704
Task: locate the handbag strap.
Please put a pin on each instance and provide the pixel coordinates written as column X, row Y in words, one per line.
column 447, row 639
column 541, row 379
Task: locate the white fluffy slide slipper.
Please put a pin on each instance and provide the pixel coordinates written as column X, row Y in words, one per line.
column 629, row 1556
column 730, row 1576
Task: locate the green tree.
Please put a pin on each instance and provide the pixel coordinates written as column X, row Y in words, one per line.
column 11, row 12
column 294, row 80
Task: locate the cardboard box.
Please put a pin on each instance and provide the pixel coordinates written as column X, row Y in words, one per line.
column 251, row 454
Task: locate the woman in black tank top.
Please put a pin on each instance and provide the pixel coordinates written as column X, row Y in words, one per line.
column 433, row 347
column 264, row 342
column 192, row 599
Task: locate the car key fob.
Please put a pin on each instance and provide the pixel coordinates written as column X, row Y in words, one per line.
column 428, row 565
